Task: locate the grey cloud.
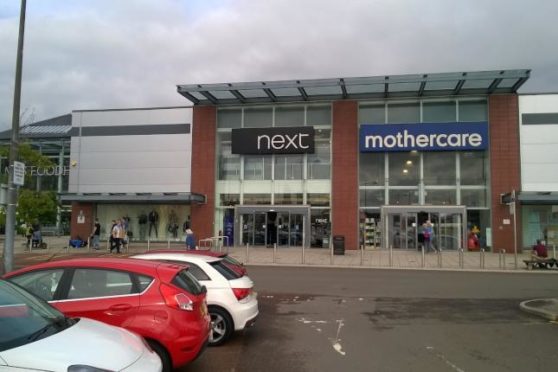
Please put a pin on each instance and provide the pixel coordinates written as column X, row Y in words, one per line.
column 107, row 54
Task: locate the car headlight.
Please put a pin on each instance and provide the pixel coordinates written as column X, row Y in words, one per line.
column 83, row 368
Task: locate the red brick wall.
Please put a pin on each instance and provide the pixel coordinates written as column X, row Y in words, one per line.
column 504, row 167
column 83, row 230
column 344, row 180
column 203, row 169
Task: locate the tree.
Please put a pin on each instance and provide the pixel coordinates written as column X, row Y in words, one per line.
column 36, row 206
column 31, row 205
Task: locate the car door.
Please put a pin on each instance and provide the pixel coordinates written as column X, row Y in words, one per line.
column 107, row 295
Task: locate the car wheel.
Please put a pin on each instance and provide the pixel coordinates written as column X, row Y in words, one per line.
column 221, row 326
column 163, row 355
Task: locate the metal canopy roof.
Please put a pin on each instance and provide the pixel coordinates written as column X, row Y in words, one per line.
column 379, row 87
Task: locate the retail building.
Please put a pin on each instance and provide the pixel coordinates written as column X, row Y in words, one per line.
column 296, row 163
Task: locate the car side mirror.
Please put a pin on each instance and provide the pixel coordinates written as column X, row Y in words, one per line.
column 204, row 289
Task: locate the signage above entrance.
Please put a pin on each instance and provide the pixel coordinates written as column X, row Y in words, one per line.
column 424, row 137
column 284, row 140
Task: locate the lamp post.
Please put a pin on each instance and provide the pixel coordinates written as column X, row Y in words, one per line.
column 14, row 147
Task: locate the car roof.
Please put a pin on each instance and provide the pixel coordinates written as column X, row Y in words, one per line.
column 192, row 252
column 128, row 264
column 180, row 255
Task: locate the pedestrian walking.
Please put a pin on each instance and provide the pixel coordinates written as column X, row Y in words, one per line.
column 116, row 233
column 96, row 235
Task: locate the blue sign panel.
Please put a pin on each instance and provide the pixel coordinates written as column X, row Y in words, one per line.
column 424, row 137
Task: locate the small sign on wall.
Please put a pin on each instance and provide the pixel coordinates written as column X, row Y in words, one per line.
column 81, row 217
column 506, row 221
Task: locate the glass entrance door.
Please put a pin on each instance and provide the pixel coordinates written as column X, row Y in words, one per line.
column 283, row 229
column 266, row 226
column 403, row 226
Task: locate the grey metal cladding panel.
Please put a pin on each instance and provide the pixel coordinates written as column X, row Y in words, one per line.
column 131, row 130
column 546, row 118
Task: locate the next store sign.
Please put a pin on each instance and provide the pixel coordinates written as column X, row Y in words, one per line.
column 423, row 137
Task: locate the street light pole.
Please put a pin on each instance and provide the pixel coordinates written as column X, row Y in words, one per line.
column 8, row 257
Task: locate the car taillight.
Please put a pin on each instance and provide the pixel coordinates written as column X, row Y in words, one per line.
column 241, row 293
column 175, row 298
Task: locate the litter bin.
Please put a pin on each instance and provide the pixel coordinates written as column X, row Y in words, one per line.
column 339, row 245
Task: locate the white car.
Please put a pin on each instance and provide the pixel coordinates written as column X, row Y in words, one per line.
column 231, row 299
column 36, row 337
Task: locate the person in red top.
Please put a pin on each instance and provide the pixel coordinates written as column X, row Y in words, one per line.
column 539, row 252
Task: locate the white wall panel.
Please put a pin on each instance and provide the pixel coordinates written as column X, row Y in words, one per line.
column 131, row 163
column 103, row 118
column 539, row 145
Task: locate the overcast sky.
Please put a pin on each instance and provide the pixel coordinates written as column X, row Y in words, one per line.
column 97, row 54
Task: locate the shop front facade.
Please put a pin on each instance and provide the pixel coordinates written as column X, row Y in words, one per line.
column 370, row 159
column 132, row 165
column 538, row 199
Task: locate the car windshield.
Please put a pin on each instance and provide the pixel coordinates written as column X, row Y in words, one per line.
column 24, row 318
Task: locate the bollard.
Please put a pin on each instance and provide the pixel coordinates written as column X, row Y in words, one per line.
column 274, row 251
column 331, row 252
column 554, row 251
column 361, row 255
column 423, row 258
column 246, row 260
column 439, row 253
column 303, row 257
column 482, row 258
column 168, row 243
column 461, row 258
column 504, row 259
column 148, row 243
column 390, row 256
column 500, row 260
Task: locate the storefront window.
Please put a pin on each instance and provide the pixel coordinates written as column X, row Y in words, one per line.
column 318, row 200
column 403, row 197
column 439, row 168
column 473, row 111
column 403, row 112
column 258, row 117
column 288, row 199
column 289, row 116
column 229, row 199
column 473, row 167
column 372, row 114
column 256, row 199
column 320, row 228
column 440, row 197
column 439, row 112
column 540, row 222
column 318, row 115
column 319, row 163
column 372, row 198
column 473, row 198
column 288, row 167
column 404, row 168
column 228, row 164
column 229, row 118
column 371, row 169
column 257, row 167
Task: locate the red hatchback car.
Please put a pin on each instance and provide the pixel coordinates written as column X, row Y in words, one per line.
column 162, row 302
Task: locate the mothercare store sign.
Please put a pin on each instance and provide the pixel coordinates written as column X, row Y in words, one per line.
column 423, row 137
column 260, row 141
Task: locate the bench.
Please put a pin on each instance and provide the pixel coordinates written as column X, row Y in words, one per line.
column 541, row 264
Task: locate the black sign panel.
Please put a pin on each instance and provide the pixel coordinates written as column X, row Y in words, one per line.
column 285, row 140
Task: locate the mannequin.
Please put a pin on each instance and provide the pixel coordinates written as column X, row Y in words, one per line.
column 142, row 221
column 153, row 218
